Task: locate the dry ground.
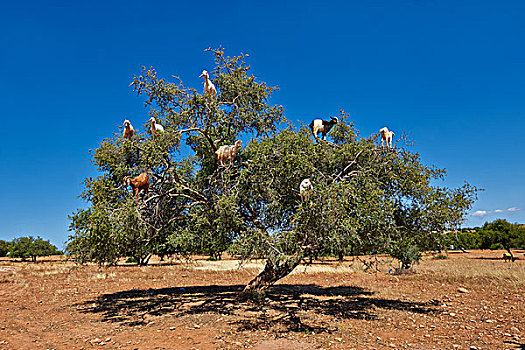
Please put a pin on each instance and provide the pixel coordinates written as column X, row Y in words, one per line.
column 467, row 301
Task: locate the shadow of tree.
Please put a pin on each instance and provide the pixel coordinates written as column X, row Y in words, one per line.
column 285, row 304
column 520, row 346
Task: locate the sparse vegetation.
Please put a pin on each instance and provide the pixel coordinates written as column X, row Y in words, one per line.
column 324, row 305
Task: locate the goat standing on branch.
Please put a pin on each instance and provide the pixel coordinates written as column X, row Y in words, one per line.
column 128, row 130
column 137, row 184
column 154, row 126
column 322, row 126
column 209, row 88
column 227, row 152
column 387, row 137
column 305, row 189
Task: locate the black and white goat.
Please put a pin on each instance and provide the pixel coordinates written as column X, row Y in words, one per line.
column 322, row 126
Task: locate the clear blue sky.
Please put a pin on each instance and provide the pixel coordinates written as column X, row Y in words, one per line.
column 450, row 74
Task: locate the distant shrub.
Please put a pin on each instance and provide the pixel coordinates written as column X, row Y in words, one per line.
column 131, row 260
column 407, row 253
column 441, row 256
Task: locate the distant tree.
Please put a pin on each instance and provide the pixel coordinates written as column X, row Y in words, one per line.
column 28, row 247
column 4, row 248
column 365, row 199
column 501, row 234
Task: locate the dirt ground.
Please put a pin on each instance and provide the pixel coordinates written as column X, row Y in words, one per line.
column 469, row 300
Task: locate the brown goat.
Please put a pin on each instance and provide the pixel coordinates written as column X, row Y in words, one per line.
column 228, row 152
column 141, row 182
column 128, row 130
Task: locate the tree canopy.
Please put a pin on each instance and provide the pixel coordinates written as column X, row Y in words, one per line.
column 365, row 198
column 499, row 234
column 29, row 247
column 4, row 248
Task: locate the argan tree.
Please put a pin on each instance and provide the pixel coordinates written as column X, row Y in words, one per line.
column 365, row 199
column 29, row 247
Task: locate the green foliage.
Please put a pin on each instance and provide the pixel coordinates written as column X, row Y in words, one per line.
column 365, row 199
column 28, row 247
column 131, row 260
column 407, row 252
column 4, row 248
column 499, row 234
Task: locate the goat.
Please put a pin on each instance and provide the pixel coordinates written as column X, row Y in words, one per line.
column 209, row 88
column 322, row 126
column 509, row 257
column 128, row 130
column 228, row 152
column 137, row 184
column 305, row 189
column 154, row 126
column 386, row 136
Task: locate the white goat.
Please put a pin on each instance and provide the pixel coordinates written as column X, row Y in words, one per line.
column 209, row 88
column 386, row 136
column 128, row 130
column 227, row 152
column 322, row 126
column 305, row 189
column 154, row 126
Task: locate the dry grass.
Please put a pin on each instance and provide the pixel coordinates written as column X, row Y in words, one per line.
column 480, row 268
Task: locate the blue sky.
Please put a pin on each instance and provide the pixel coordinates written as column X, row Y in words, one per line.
column 450, row 74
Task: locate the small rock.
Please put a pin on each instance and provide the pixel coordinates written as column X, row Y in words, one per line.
column 96, row 340
column 338, row 339
column 452, row 314
column 108, row 339
column 507, row 335
column 172, row 328
column 472, row 347
column 462, row 290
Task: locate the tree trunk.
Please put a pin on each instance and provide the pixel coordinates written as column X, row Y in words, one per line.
column 272, row 273
column 340, row 256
